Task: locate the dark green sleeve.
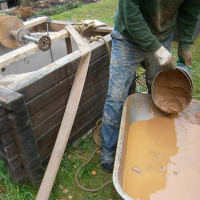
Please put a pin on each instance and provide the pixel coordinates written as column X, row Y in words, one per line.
column 134, row 22
column 187, row 21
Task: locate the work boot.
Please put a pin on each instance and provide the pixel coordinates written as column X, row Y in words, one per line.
column 107, row 161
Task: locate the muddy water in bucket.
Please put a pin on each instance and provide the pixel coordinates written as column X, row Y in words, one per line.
column 162, row 160
column 172, row 90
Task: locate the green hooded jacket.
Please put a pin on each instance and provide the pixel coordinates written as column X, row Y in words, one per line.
column 147, row 22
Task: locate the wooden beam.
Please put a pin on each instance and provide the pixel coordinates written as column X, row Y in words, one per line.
column 68, row 118
column 22, row 52
column 34, row 22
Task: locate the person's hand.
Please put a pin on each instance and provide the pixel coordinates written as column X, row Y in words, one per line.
column 165, row 59
column 185, row 57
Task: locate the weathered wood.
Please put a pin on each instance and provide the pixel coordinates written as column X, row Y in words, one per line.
column 6, row 138
column 62, row 87
column 49, row 75
column 46, row 152
column 10, row 150
column 15, row 168
column 49, row 109
column 34, row 22
column 24, row 51
column 2, row 111
column 68, row 119
column 4, row 125
column 90, row 124
column 11, row 100
column 85, row 118
column 19, row 122
column 41, row 130
column 68, row 45
column 90, row 99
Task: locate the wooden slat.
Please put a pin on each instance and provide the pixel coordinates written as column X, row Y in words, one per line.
column 10, row 150
column 68, row 118
column 62, row 87
column 46, row 153
column 22, row 52
column 4, row 125
column 2, row 111
column 90, row 124
column 49, row 109
column 6, row 138
column 34, row 22
column 56, row 117
column 46, row 147
column 56, row 72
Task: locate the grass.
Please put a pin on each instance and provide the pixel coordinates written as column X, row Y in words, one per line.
column 65, row 186
column 102, row 11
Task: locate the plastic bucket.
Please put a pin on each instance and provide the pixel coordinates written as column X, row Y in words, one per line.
column 172, row 90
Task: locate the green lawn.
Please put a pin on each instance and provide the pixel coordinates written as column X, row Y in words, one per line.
column 64, row 187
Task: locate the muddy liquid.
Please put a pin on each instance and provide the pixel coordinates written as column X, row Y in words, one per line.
column 172, row 91
column 162, row 160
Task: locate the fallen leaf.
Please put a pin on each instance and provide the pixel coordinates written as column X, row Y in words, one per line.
column 61, row 187
column 99, row 151
column 94, row 173
column 65, row 191
column 70, row 197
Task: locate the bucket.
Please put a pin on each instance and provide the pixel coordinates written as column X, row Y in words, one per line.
column 172, row 90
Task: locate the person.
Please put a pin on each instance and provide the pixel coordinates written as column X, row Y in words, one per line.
column 143, row 33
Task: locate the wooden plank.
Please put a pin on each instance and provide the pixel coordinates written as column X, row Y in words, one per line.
column 56, row 117
column 45, row 78
column 62, row 87
column 11, row 100
column 94, row 89
column 49, row 109
column 15, row 168
column 24, row 51
column 68, row 45
column 46, row 153
column 68, row 119
column 2, row 111
column 6, row 138
column 19, row 122
column 50, row 95
column 34, row 22
column 90, row 124
column 49, row 137
column 4, row 125
column 85, row 118
column 47, row 149
column 49, row 75
column 9, row 151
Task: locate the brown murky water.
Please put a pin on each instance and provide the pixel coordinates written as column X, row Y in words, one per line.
column 163, row 160
column 172, row 91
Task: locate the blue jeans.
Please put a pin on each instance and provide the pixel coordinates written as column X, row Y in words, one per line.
column 125, row 59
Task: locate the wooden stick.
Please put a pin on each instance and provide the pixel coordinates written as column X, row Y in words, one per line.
column 22, row 52
column 35, row 22
column 68, row 119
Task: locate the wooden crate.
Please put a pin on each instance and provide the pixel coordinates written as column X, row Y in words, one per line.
column 31, row 109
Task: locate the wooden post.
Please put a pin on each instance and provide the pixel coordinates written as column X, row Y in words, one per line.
column 69, row 116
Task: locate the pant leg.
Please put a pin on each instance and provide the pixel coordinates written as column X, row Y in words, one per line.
column 125, row 60
column 151, row 63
